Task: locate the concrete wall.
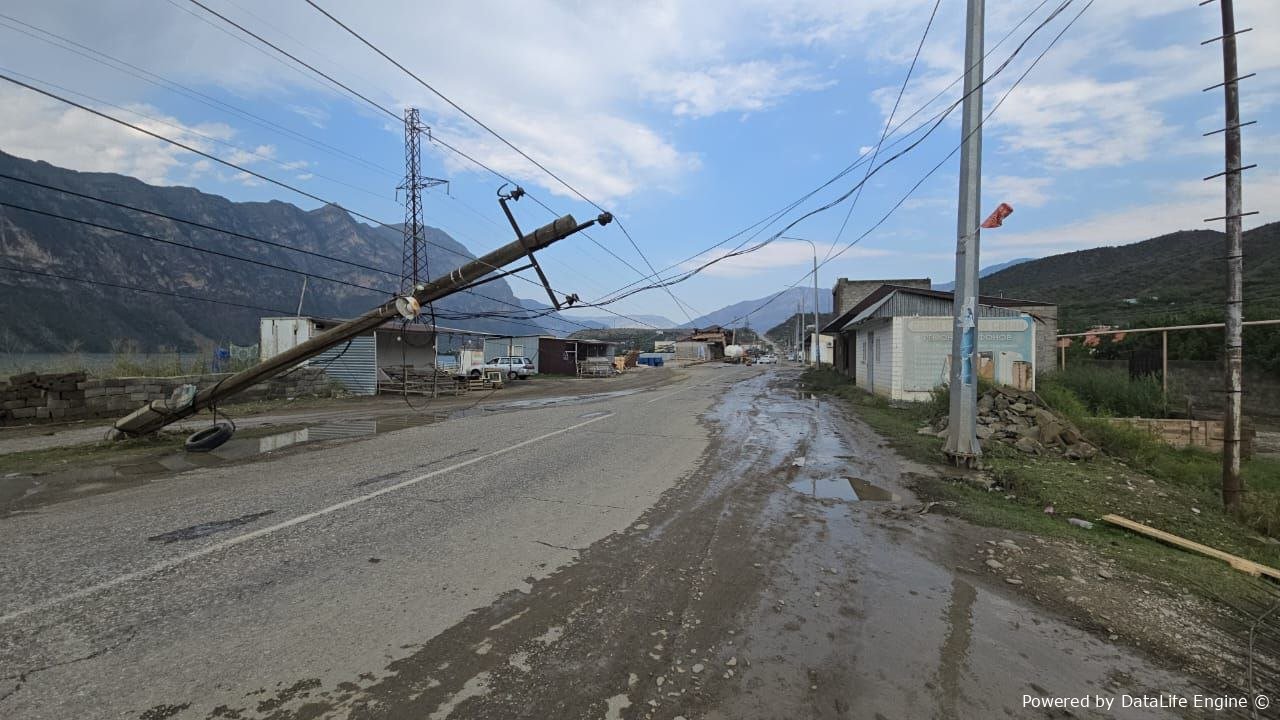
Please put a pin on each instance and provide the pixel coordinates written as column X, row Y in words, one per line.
column 1046, row 318
column 875, row 370
column 848, row 293
column 32, row 397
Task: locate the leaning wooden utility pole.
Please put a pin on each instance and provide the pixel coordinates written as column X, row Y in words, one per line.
column 962, row 427
column 158, row 413
column 1234, row 350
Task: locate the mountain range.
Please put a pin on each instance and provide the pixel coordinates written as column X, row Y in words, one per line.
column 55, row 309
column 1178, row 275
column 762, row 318
column 983, row 272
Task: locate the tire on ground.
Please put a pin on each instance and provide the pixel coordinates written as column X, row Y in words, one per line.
column 209, row 438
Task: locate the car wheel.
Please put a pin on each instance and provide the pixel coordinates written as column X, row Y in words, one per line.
column 512, row 375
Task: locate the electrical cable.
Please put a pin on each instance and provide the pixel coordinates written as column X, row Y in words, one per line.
column 935, row 168
column 397, row 118
column 105, row 59
column 502, row 139
column 887, row 124
column 207, row 251
column 740, row 251
column 266, row 178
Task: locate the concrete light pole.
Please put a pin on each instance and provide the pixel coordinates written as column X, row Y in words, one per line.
column 962, row 439
column 817, row 327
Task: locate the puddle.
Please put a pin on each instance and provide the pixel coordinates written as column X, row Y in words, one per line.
column 194, row 532
column 842, row 488
column 18, row 491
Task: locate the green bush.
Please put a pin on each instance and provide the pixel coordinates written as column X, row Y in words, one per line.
column 1108, row 392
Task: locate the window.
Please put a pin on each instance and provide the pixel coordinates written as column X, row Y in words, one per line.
column 878, row 344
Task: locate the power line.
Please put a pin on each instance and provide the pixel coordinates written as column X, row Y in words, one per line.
column 105, row 59
column 935, row 168
column 135, row 288
column 887, row 124
column 863, row 157
column 499, row 136
column 940, row 118
column 392, row 114
column 207, row 251
column 199, row 225
column 233, row 234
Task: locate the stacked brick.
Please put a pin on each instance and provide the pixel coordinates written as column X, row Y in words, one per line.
column 46, row 397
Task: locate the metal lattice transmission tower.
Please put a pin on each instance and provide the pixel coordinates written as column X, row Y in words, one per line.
column 416, row 269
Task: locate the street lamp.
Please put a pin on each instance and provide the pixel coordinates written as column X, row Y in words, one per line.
column 817, row 330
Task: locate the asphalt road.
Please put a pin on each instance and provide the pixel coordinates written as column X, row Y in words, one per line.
column 333, row 561
column 671, row 552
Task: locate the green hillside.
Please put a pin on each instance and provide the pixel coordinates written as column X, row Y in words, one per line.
column 1177, row 275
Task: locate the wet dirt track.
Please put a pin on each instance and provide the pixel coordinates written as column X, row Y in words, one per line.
column 724, row 548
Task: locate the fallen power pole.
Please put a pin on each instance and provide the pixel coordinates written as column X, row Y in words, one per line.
column 159, row 413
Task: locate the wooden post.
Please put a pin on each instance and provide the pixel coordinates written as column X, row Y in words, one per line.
column 1164, row 360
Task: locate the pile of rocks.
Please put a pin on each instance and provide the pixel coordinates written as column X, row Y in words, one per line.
column 1020, row 419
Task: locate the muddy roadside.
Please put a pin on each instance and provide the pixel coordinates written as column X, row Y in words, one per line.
column 793, row 574
column 27, row 438
column 1045, row 540
column 43, row 471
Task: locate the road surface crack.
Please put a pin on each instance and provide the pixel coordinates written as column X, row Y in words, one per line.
column 570, row 502
column 560, row 547
column 25, row 675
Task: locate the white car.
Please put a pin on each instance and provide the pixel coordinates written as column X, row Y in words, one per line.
column 767, row 360
column 511, row 367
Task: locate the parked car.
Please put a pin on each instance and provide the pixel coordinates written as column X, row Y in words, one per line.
column 512, row 367
column 768, row 360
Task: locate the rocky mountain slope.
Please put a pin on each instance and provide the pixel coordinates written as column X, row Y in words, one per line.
column 44, row 313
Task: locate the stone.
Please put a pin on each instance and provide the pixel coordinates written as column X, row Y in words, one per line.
column 1028, row 446
column 731, row 662
column 1050, row 432
column 1105, row 574
column 984, row 432
column 1013, row 580
column 698, row 667
column 994, row 564
column 1019, row 407
column 1080, row 523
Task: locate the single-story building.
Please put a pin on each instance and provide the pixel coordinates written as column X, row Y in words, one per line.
column 715, row 339
column 898, row 340
column 557, row 356
column 355, row 363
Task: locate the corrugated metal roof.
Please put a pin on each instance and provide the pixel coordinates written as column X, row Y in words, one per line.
column 353, row 364
column 915, row 304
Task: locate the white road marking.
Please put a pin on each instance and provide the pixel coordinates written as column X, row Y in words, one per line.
column 241, row 539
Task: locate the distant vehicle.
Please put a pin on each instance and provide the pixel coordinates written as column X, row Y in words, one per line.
column 512, row 367
column 734, row 353
column 768, row 360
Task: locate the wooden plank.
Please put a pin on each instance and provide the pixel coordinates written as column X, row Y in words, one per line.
column 1235, row 561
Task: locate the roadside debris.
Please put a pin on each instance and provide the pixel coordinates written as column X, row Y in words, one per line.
column 1018, row 418
column 1085, row 524
column 1235, row 561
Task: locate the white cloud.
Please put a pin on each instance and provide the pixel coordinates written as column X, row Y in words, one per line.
column 1017, row 191
column 1188, row 205
column 40, row 128
column 748, row 86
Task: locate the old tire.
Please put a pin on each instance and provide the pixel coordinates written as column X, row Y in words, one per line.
column 475, row 373
column 209, row 438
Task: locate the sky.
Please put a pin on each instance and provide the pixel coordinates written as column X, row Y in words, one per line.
column 690, row 121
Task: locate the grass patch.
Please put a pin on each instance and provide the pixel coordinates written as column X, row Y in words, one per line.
column 1109, row 392
column 1142, row 480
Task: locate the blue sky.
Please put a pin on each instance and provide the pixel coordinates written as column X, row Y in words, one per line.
column 689, row 120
